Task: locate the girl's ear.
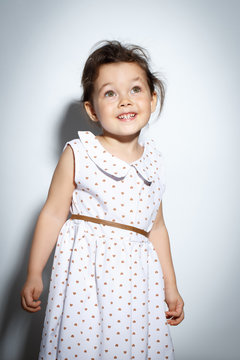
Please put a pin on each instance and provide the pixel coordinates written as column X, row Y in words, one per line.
column 90, row 111
column 154, row 101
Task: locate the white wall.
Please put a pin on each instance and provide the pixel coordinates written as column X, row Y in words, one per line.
column 195, row 45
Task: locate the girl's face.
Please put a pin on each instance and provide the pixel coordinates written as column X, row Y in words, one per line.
column 122, row 101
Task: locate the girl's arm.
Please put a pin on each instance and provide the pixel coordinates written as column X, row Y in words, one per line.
column 160, row 240
column 50, row 220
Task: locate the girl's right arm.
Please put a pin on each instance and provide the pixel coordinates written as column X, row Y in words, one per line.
column 51, row 218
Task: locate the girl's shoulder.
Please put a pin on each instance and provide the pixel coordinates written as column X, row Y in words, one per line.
column 155, row 151
column 158, row 161
column 74, row 143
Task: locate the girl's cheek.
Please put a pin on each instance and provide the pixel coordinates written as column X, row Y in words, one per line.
column 139, row 95
column 111, row 100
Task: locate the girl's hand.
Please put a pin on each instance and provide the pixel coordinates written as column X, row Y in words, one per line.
column 30, row 293
column 175, row 304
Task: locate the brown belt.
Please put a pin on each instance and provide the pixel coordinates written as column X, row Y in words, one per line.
column 110, row 223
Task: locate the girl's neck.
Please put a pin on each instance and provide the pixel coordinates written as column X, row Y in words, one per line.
column 127, row 148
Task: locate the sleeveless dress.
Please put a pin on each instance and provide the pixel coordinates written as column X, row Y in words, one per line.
column 106, row 293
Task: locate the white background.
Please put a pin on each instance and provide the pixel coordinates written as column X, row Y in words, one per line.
column 195, row 46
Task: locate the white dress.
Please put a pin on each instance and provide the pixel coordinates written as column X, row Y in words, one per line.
column 106, row 294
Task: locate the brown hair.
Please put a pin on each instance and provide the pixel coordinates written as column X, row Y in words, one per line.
column 113, row 52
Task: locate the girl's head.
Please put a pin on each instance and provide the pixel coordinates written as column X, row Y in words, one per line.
column 117, row 80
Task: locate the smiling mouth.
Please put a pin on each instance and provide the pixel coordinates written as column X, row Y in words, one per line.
column 128, row 116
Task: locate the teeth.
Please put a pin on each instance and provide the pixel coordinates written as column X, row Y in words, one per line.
column 127, row 116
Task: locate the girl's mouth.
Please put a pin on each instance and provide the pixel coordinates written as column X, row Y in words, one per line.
column 127, row 116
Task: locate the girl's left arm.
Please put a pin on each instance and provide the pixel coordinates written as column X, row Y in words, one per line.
column 160, row 240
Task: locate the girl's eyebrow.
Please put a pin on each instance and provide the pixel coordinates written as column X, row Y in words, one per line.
column 104, row 86
column 137, row 78
column 109, row 83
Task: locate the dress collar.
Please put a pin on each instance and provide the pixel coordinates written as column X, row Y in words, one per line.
column 147, row 165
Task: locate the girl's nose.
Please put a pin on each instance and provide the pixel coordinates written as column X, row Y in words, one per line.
column 124, row 101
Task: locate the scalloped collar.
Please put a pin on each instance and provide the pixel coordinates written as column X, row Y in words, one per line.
column 146, row 165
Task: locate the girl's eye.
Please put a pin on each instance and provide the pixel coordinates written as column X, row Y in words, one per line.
column 109, row 93
column 136, row 89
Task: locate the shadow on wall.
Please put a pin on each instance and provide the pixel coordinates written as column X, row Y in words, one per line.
column 76, row 119
column 17, row 323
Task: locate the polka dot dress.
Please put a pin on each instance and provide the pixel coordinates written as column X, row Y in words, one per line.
column 106, row 295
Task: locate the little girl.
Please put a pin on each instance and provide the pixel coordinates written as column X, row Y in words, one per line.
column 112, row 269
